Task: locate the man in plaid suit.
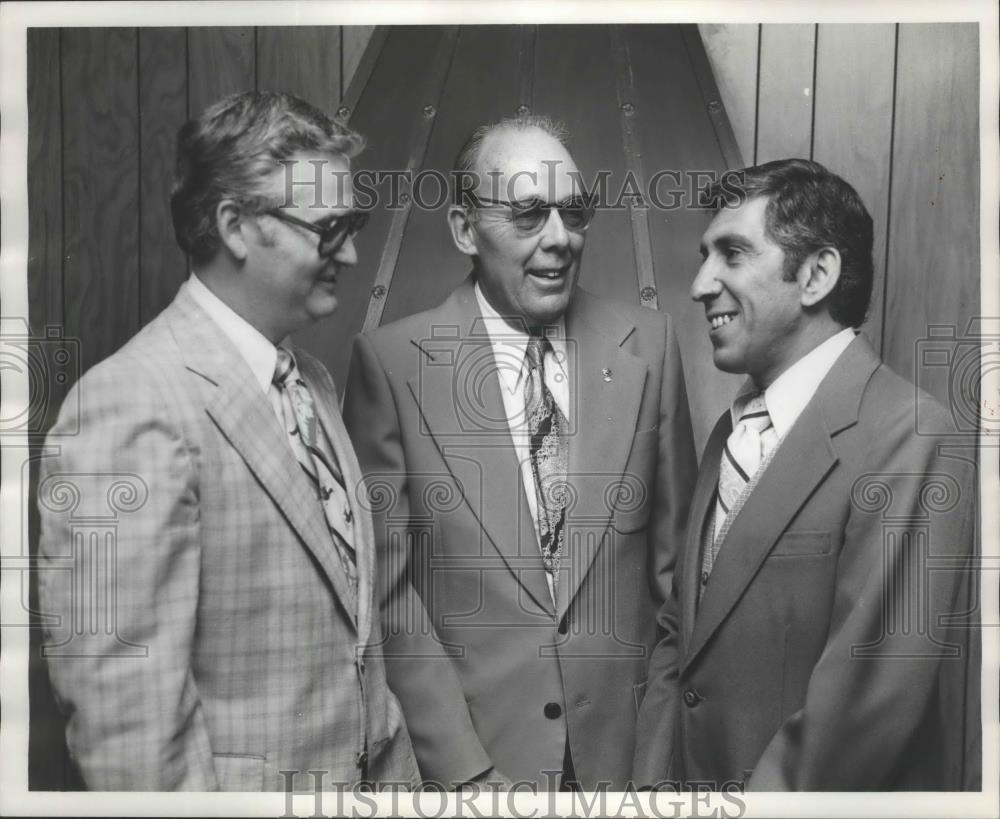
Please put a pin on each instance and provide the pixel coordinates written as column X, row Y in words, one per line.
column 234, row 597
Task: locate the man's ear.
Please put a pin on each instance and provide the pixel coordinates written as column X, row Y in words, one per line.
column 818, row 276
column 231, row 224
column 460, row 224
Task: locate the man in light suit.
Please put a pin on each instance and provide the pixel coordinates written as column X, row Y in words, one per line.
column 821, row 637
column 529, row 452
column 233, row 645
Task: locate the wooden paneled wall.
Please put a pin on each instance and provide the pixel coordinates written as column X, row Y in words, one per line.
column 104, row 109
column 894, row 110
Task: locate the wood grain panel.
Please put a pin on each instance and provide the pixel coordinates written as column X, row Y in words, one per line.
column 162, row 110
column 933, row 258
column 387, row 114
column 732, row 51
column 221, row 61
column 430, row 266
column 785, row 95
column 45, row 297
column 354, row 40
column 852, row 135
column 575, row 82
column 301, row 60
column 676, row 148
column 101, row 188
column 49, row 765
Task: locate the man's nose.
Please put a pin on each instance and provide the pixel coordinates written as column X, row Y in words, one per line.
column 347, row 253
column 554, row 233
column 705, row 285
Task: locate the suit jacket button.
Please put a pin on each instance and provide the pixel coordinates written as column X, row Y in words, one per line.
column 691, row 698
column 553, row 710
column 704, row 578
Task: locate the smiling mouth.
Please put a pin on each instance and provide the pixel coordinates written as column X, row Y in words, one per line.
column 718, row 320
column 328, row 276
column 550, row 273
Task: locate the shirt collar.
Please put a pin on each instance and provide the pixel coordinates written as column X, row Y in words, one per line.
column 510, row 343
column 791, row 391
column 259, row 353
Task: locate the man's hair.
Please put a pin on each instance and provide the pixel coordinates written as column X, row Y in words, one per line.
column 232, row 147
column 468, row 160
column 809, row 208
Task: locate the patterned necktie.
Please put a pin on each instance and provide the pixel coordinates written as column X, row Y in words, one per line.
column 751, row 440
column 548, row 449
column 317, row 459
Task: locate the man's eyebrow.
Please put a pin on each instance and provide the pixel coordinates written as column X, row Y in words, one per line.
column 730, row 239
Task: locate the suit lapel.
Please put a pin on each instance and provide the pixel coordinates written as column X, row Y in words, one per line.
column 803, row 460
column 701, row 505
column 244, row 416
column 458, row 394
column 606, row 388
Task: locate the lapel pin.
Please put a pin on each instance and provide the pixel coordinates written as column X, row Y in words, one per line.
column 606, row 372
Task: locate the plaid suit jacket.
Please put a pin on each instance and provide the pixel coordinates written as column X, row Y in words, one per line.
column 199, row 638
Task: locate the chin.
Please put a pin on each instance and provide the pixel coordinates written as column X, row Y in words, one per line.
column 323, row 309
column 727, row 363
column 549, row 310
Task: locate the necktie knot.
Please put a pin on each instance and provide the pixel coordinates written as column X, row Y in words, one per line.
column 755, row 415
column 534, row 353
column 283, row 368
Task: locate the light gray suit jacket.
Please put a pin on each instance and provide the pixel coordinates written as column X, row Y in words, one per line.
column 835, row 645
column 199, row 637
column 488, row 669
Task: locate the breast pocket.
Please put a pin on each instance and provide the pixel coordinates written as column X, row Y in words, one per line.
column 239, row 772
column 632, row 493
column 802, row 543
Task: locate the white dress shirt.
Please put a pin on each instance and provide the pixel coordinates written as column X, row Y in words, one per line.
column 785, row 400
column 509, row 346
column 260, row 354
column 794, row 388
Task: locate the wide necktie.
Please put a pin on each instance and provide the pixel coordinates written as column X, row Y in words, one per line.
column 315, row 455
column 548, row 448
column 753, row 438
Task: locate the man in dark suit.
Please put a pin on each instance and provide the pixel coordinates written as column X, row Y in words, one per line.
column 530, row 457
column 223, row 638
column 810, row 646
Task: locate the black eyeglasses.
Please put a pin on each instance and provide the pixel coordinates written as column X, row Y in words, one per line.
column 530, row 216
column 332, row 235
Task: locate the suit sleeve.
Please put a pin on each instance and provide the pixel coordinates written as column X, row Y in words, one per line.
column 656, row 725
column 677, row 470
column 118, row 581
column 854, row 726
column 420, row 674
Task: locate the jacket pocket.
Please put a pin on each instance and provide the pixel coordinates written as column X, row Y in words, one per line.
column 239, row 772
column 802, row 543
